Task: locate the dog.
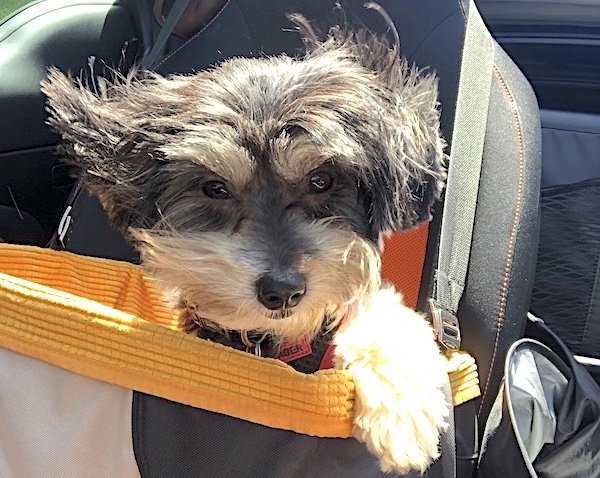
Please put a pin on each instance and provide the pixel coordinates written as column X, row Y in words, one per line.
column 258, row 193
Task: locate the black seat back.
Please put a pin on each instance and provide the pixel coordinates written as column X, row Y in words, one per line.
column 498, row 285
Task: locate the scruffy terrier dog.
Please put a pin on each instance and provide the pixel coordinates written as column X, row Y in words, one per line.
column 257, row 194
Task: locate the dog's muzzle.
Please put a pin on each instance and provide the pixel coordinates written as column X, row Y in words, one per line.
column 278, row 291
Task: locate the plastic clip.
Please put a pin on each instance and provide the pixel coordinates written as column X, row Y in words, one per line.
column 64, row 225
column 445, row 325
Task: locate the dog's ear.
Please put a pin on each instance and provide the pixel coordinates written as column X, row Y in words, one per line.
column 403, row 171
column 107, row 137
column 405, row 151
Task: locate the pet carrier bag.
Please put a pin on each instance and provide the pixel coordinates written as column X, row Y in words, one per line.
column 84, row 315
column 149, row 425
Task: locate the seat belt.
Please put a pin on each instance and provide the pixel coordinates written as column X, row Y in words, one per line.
column 149, row 62
column 156, row 53
column 462, row 187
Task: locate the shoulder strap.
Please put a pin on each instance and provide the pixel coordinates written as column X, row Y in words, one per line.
column 461, row 196
column 149, row 62
column 463, row 177
column 168, row 26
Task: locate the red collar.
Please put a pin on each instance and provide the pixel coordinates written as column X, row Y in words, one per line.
column 295, row 350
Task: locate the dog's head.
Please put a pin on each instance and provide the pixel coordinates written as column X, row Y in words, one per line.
column 259, row 190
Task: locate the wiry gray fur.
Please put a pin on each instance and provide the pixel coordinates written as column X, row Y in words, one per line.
column 350, row 109
column 257, row 193
column 139, row 142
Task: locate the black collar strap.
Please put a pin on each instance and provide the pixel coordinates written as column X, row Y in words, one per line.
column 301, row 355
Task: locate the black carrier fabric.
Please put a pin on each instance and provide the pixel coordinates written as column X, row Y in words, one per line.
column 176, row 441
column 172, row 440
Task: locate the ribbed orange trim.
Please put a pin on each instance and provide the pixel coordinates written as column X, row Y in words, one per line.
column 119, row 285
column 63, row 309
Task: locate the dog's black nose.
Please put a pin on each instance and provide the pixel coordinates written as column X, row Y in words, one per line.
column 280, row 291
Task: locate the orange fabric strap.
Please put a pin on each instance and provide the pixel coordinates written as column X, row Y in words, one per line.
column 84, row 315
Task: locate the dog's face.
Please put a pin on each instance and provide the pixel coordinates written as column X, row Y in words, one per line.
column 257, row 192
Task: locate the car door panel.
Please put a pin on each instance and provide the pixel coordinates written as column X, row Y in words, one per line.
column 66, row 34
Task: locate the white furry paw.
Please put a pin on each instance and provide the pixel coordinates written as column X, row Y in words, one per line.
column 398, row 372
column 400, row 427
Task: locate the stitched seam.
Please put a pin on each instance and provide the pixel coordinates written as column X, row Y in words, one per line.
column 193, row 37
column 436, row 27
column 46, row 12
column 512, row 237
column 463, row 10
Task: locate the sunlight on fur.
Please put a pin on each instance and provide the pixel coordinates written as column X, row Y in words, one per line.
column 257, row 193
column 217, row 273
column 397, row 376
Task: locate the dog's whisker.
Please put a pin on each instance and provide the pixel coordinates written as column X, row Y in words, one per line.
column 257, row 193
column 164, row 222
column 281, row 314
column 328, row 221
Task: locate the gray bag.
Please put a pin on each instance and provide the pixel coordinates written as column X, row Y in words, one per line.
column 546, row 418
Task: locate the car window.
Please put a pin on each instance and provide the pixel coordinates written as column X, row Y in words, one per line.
column 555, row 14
column 9, row 6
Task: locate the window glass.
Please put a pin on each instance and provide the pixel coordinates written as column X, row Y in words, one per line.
column 551, row 14
column 9, row 6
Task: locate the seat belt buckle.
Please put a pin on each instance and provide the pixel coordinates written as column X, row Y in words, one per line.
column 445, row 325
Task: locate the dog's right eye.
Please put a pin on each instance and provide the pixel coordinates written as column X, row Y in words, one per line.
column 216, row 190
column 319, row 182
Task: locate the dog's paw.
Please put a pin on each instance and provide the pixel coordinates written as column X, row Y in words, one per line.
column 399, row 425
column 398, row 372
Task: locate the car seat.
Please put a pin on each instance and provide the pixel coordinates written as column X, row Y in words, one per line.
column 567, row 84
column 493, row 309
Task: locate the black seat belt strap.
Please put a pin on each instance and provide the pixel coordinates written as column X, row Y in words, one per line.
column 460, row 202
column 156, row 53
column 464, row 172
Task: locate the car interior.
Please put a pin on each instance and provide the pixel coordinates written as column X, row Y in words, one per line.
column 556, row 45
column 536, row 239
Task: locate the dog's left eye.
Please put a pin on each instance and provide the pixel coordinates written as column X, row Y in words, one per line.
column 216, row 190
column 319, row 182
